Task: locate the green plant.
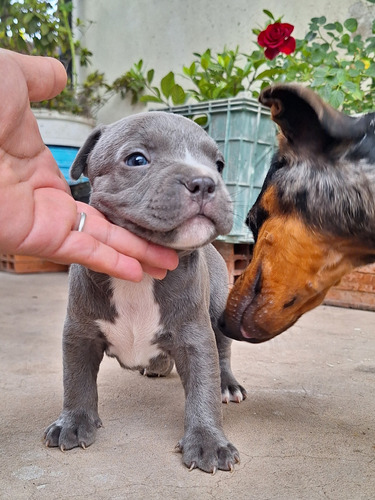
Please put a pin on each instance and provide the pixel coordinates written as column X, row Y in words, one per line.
column 337, row 62
column 333, row 58
column 31, row 29
column 44, row 28
column 215, row 76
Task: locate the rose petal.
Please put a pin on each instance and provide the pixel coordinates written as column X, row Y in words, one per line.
column 288, row 28
column 261, row 39
column 271, row 53
column 288, row 46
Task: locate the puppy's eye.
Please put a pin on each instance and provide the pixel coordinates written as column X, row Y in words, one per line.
column 136, row 160
column 220, row 166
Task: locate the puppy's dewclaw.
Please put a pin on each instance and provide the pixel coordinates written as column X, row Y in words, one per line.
column 157, row 175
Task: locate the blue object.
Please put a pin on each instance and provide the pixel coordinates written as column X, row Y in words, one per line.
column 64, row 156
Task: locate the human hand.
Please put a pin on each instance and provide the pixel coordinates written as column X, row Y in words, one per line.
column 38, row 216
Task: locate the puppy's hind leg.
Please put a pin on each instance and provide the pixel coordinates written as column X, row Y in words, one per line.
column 161, row 366
column 231, row 390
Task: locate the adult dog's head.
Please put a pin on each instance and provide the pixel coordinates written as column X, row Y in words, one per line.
column 314, row 219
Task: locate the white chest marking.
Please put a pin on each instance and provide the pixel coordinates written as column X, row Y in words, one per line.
column 134, row 328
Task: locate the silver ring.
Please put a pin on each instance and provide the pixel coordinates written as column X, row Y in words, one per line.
column 82, row 221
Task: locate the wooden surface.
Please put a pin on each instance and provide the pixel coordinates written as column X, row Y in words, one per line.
column 25, row 264
column 356, row 290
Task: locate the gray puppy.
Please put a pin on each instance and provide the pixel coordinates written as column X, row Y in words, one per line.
column 158, row 175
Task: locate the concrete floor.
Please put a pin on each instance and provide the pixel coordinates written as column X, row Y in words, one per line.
column 306, row 431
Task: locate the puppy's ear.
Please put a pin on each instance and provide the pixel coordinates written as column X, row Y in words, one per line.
column 79, row 166
column 306, row 121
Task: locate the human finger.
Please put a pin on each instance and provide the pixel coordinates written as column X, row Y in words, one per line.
column 82, row 248
column 125, row 242
column 45, row 76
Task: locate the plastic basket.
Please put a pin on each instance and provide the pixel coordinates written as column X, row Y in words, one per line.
column 64, row 157
column 246, row 136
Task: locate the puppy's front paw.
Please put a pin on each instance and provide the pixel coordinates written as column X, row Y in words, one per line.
column 208, row 450
column 72, row 429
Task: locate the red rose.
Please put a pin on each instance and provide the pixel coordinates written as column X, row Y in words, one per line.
column 276, row 38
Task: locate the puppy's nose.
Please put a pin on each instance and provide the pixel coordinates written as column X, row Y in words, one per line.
column 203, row 187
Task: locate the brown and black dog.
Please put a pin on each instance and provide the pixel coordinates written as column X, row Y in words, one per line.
column 314, row 219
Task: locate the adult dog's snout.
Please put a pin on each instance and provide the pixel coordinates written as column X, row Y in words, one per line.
column 201, row 188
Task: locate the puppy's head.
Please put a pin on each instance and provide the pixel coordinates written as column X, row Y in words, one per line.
column 158, row 175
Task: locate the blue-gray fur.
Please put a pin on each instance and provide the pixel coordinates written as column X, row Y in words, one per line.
column 152, row 202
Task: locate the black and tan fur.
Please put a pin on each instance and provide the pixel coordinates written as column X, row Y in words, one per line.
column 314, row 219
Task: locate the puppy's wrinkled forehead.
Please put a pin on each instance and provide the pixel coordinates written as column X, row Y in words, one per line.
column 158, row 133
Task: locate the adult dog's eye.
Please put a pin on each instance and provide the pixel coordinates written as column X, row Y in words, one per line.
column 220, row 166
column 136, row 160
column 290, row 303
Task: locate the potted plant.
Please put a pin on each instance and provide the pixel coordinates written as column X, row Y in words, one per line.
column 45, row 28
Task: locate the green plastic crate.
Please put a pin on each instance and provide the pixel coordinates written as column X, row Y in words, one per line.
column 246, row 136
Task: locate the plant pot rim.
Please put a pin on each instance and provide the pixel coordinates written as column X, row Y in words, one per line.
column 63, row 129
column 53, row 114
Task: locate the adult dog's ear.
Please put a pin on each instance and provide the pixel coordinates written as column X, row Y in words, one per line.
column 79, row 166
column 306, row 121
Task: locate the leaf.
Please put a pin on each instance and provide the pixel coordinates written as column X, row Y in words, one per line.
column 269, row 73
column 167, row 83
column 192, row 69
column 319, row 20
column 138, row 65
column 44, row 29
column 217, row 92
column 339, row 27
column 150, row 76
column 269, row 14
column 317, row 57
column 330, row 26
column 310, row 36
column 28, row 17
column 371, row 71
column 351, row 87
column 201, row 120
column 340, row 76
column 353, row 72
column 345, row 39
column 336, row 98
column 206, row 59
column 221, row 61
column 178, row 95
column 150, row 98
column 371, row 45
column 351, row 24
